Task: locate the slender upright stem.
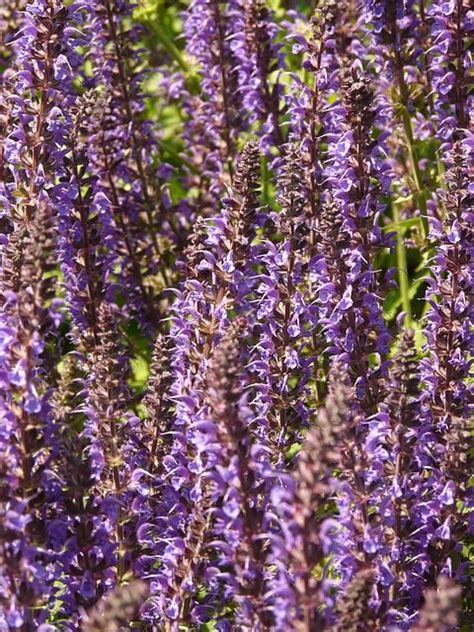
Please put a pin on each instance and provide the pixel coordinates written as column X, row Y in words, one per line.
column 404, row 108
column 417, row 176
column 403, row 280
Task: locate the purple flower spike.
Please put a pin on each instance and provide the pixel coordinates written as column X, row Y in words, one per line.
column 447, row 396
column 209, row 28
column 258, row 57
column 349, row 306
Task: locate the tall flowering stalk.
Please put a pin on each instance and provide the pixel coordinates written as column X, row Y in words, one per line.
column 394, row 481
column 108, row 430
column 127, row 247
column 309, row 107
column 86, row 228
column 396, row 26
column 84, row 554
column 451, row 26
column 299, row 548
column 153, row 493
column 312, row 114
column 100, row 548
column 209, row 27
column 280, row 368
column 214, row 266
column 41, row 94
column 96, row 479
column 123, row 155
column 351, row 538
column 258, row 57
column 25, row 564
column 242, row 478
column 158, row 404
column 38, row 90
column 446, row 401
column 350, row 307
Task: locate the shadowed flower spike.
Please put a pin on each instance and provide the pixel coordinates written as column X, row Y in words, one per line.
column 157, row 401
column 351, row 538
column 440, row 612
column 109, row 431
column 25, row 435
column 239, row 211
column 240, row 481
column 117, row 609
column 300, row 548
column 353, row 607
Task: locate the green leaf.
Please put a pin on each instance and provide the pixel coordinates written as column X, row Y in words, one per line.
column 402, row 224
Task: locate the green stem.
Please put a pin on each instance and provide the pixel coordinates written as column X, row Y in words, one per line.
column 404, row 102
column 402, row 266
column 421, row 197
column 168, row 44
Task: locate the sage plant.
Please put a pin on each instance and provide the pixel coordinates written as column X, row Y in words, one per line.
column 236, row 311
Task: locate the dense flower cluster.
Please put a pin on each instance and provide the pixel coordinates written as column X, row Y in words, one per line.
column 236, row 315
